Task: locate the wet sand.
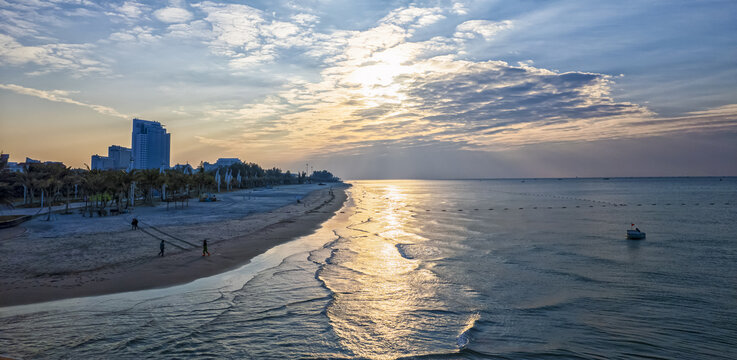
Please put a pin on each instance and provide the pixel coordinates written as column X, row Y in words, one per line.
column 75, row 265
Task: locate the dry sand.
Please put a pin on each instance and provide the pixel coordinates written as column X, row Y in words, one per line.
column 37, row 268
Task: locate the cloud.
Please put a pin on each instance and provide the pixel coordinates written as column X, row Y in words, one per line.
column 235, row 28
column 173, row 15
column 487, row 29
column 141, row 34
column 414, row 17
column 305, row 19
column 459, row 8
column 379, row 88
column 52, row 57
column 62, row 97
column 250, row 37
column 130, row 10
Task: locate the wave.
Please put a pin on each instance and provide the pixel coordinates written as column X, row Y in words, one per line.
column 415, row 251
column 465, row 336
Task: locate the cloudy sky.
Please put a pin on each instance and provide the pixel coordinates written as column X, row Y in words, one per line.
column 380, row 89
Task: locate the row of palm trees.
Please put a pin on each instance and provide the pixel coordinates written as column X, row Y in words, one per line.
column 48, row 184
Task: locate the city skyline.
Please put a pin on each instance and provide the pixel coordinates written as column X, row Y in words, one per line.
column 454, row 89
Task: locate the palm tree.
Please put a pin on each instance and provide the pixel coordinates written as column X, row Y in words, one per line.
column 6, row 189
column 203, row 181
column 125, row 181
column 26, row 178
column 149, row 178
column 94, row 186
column 51, row 181
column 71, row 179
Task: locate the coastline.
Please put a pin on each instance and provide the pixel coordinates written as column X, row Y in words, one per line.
column 232, row 243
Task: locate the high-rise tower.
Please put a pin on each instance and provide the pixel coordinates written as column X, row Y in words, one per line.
column 150, row 145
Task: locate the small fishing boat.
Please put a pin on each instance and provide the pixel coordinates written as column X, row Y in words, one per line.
column 635, row 234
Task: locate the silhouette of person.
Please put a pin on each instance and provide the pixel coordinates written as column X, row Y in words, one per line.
column 161, row 246
column 204, row 248
column 134, row 224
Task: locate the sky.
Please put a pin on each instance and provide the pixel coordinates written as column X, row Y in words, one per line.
column 380, row 89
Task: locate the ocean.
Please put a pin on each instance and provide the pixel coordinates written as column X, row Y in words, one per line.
column 465, row 269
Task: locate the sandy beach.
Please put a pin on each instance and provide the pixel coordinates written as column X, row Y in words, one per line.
column 72, row 256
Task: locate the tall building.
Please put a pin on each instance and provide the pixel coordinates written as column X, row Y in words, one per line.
column 118, row 158
column 150, row 145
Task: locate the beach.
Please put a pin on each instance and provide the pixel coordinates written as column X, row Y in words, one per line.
column 74, row 256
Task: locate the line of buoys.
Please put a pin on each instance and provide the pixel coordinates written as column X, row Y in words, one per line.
column 549, row 207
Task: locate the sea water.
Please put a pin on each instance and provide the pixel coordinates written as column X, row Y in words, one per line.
column 444, row 269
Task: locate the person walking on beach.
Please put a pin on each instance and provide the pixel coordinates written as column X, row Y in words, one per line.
column 134, row 224
column 204, row 248
column 161, row 246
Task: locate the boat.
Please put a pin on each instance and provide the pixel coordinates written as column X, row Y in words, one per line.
column 635, row 234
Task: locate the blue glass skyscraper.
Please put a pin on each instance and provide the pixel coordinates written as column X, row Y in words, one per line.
column 150, row 145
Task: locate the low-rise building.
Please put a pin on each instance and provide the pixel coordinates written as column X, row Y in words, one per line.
column 118, row 158
column 184, row 168
column 220, row 163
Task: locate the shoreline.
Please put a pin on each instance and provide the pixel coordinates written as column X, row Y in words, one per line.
column 254, row 235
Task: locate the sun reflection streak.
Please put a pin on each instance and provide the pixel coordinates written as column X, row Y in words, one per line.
column 374, row 310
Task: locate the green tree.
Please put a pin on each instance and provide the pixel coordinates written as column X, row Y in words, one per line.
column 148, row 179
column 6, row 183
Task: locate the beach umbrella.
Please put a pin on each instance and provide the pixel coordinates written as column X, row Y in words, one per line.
column 217, row 179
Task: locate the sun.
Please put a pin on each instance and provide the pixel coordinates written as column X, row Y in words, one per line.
column 376, row 77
